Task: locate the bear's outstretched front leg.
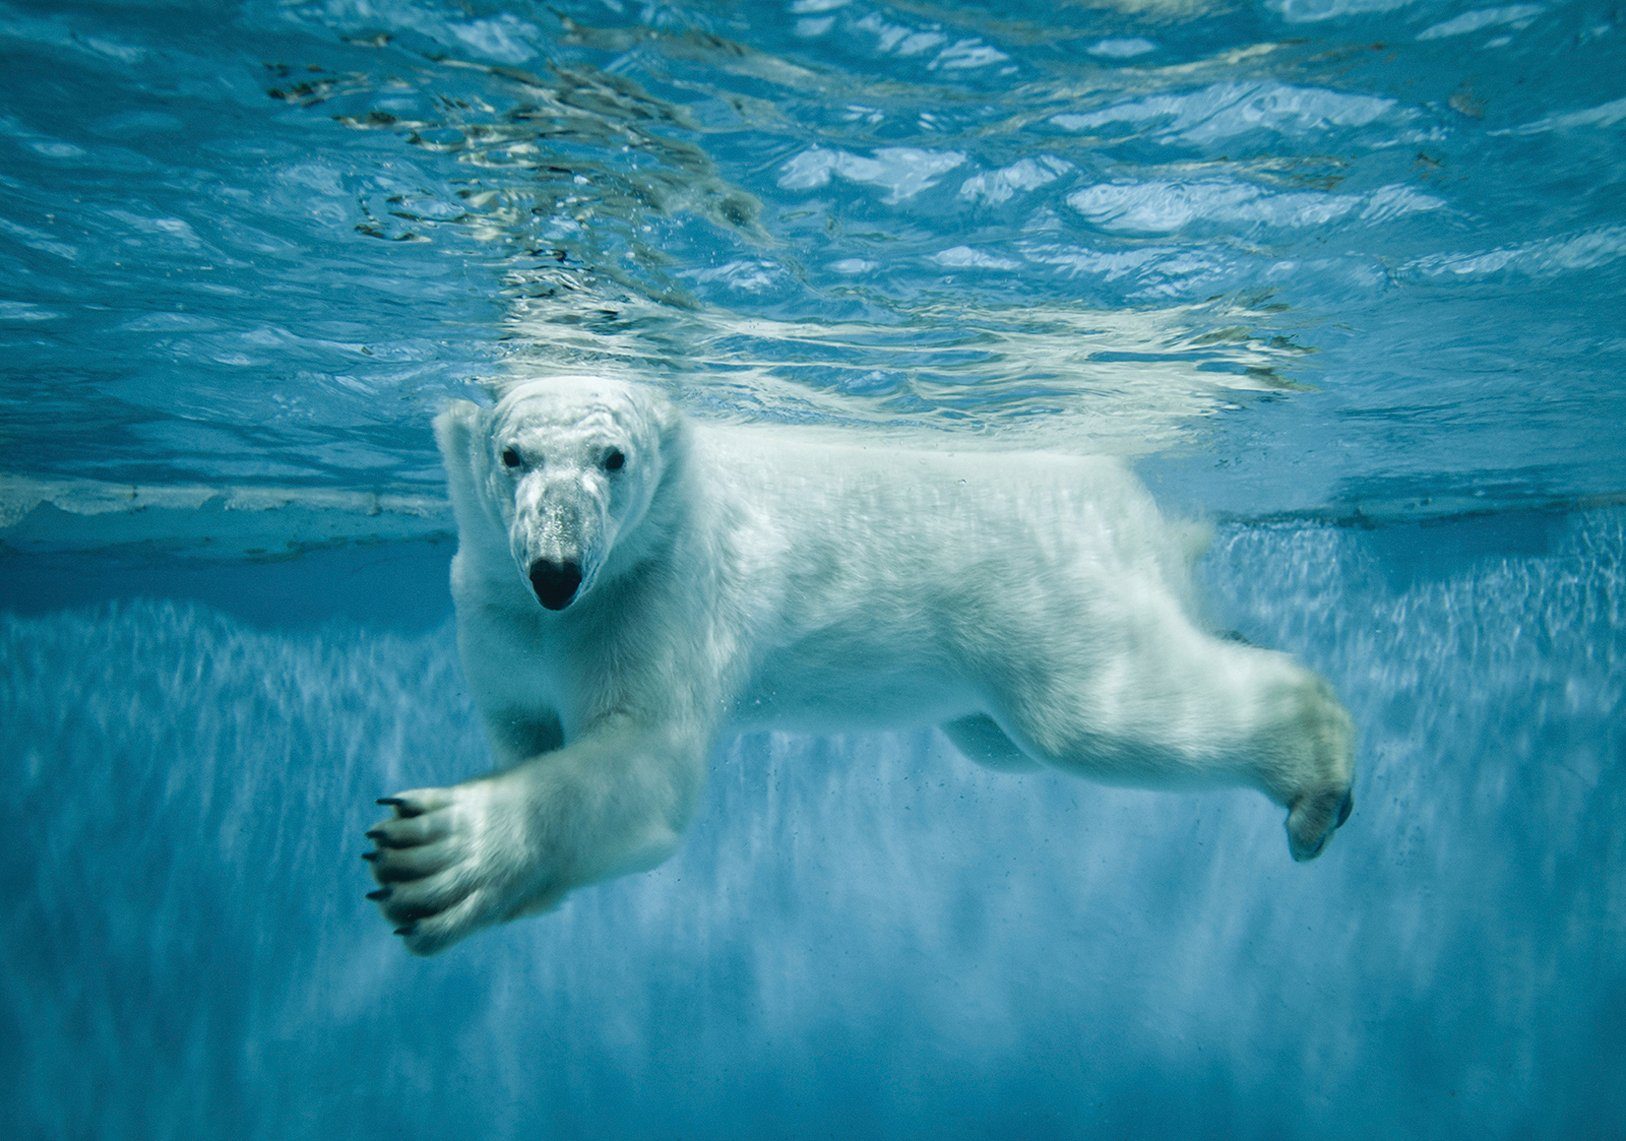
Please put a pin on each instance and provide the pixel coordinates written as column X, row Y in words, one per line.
column 452, row 860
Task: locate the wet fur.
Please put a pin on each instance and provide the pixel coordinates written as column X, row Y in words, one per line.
column 1034, row 606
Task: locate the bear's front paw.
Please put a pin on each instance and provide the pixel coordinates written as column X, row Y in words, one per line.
column 450, row 861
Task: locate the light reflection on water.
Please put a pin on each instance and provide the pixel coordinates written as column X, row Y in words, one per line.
column 261, row 247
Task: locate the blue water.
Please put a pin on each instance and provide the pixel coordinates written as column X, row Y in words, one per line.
column 1344, row 276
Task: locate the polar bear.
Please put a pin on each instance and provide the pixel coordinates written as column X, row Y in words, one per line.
column 631, row 583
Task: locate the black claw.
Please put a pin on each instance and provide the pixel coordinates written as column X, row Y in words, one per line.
column 390, row 801
column 371, row 857
column 406, row 929
column 375, row 834
column 381, row 893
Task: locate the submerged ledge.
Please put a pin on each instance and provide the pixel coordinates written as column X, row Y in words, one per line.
column 1427, row 510
column 198, row 521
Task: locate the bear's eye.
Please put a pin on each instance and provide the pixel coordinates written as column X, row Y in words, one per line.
column 510, row 458
column 614, row 460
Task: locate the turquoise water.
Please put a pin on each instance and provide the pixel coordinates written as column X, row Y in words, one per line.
column 1344, row 276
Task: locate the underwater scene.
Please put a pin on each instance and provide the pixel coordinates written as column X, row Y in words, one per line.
column 1344, row 281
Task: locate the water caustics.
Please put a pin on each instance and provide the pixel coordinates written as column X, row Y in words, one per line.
column 1262, row 245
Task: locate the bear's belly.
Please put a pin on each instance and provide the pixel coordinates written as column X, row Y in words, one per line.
column 810, row 693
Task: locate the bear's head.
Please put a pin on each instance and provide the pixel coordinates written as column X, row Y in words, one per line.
column 566, row 467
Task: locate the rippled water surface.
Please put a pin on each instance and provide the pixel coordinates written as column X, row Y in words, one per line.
column 1345, row 275
column 1327, row 252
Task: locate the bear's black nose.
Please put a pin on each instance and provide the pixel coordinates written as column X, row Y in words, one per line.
column 555, row 583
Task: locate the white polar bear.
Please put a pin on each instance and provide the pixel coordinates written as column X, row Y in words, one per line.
column 631, row 584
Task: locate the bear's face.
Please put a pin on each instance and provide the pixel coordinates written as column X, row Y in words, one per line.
column 570, row 465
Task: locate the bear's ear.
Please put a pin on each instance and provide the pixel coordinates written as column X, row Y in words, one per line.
column 459, row 430
column 455, row 429
column 670, row 422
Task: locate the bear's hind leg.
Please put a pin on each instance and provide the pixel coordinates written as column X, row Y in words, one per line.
column 1176, row 708
column 1314, row 770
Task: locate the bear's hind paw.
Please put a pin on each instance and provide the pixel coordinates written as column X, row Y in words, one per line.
column 1313, row 819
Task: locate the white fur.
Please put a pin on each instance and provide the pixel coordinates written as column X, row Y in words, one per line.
column 1032, row 605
